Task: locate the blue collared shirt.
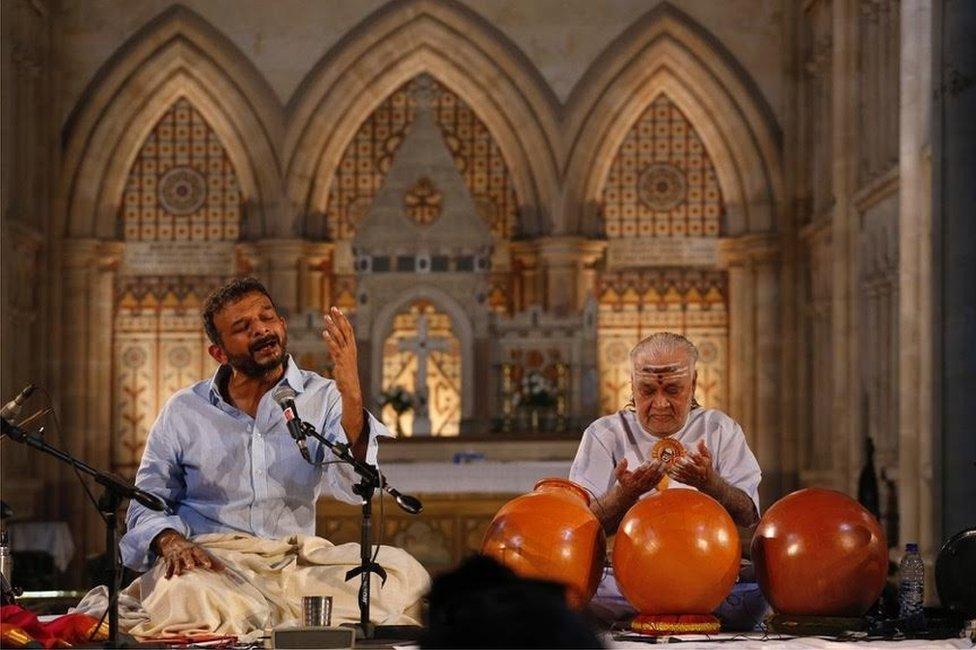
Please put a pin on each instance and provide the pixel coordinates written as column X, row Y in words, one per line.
column 224, row 471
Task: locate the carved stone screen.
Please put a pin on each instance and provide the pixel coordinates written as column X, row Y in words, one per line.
column 443, row 368
column 181, row 199
column 478, row 158
column 368, row 158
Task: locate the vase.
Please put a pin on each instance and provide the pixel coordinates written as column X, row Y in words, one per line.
column 676, row 553
column 827, row 542
column 551, row 534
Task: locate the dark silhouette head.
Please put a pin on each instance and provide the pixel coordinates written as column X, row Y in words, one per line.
column 483, row 604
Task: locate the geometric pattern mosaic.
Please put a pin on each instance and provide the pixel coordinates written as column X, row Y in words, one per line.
column 368, row 157
column 182, row 185
column 662, row 182
column 635, row 304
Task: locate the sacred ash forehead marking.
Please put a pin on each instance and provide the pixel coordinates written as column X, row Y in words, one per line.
column 663, row 372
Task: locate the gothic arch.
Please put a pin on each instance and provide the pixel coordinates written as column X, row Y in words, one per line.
column 456, row 46
column 382, row 325
column 177, row 54
column 667, row 52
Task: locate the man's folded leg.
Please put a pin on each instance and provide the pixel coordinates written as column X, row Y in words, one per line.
column 321, row 571
column 202, row 602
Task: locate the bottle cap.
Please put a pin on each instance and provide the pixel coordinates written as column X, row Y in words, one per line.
column 911, row 548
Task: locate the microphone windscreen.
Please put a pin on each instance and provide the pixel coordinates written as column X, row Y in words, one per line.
column 283, row 393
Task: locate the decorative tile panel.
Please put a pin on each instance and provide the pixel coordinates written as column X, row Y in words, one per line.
column 159, row 348
column 662, row 182
column 635, row 304
column 182, row 185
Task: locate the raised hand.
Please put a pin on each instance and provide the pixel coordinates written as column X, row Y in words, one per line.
column 644, row 478
column 341, row 341
column 695, row 469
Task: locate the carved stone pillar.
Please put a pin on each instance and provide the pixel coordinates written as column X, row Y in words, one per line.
column 569, row 272
column 88, row 277
column 316, row 277
column 525, row 260
column 23, row 347
column 950, row 487
column 755, row 349
column 280, row 261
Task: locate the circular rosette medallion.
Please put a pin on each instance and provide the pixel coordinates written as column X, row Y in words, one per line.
column 661, row 186
column 182, row 190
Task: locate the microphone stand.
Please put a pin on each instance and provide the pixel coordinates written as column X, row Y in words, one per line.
column 115, row 491
column 369, row 480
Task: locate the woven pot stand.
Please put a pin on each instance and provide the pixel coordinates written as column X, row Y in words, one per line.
column 672, row 624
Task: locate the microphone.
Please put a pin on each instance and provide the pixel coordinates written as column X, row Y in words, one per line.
column 12, row 408
column 285, row 397
column 408, row 503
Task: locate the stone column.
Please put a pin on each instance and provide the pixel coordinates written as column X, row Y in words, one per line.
column 568, row 265
column 916, row 373
column 954, row 195
column 845, row 419
column 98, row 441
column 767, row 387
column 280, row 261
column 317, row 277
column 25, row 353
column 79, row 277
column 755, row 349
column 526, row 259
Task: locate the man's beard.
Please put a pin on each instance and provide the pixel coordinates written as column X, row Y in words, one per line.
column 250, row 366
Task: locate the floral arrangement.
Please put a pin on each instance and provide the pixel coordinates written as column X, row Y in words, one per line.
column 535, row 390
column 398, row 398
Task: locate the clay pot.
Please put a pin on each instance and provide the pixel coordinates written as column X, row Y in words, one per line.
column 820, row 553
column 676, row 552
column 550, row 534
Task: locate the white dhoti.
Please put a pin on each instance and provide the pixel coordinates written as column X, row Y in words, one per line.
column 262, row 587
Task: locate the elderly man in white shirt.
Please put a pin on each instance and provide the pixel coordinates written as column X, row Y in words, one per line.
column 668, row 441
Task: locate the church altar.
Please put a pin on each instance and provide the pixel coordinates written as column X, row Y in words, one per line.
column 460, row 498
column 475, row 477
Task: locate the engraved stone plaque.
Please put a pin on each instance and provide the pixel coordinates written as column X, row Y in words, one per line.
column 178, row 258
column 662, row 251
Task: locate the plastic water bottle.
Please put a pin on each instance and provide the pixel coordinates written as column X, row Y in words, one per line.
column 911, row 588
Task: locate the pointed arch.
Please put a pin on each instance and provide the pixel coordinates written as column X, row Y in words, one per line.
column 177, row 54
column 666, row 52
column 462, row 51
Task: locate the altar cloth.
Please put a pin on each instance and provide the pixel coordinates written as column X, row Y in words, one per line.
column 478, row 477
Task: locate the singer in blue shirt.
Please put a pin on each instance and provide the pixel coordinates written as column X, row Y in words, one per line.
column 220, row 452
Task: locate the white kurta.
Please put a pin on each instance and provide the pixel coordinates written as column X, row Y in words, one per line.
column 615, row 437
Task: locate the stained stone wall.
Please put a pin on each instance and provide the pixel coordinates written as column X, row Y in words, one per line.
column 812, row 268
column 284, row 39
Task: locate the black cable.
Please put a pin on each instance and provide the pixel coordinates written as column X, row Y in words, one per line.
column 60, row 436
column 382, row 515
